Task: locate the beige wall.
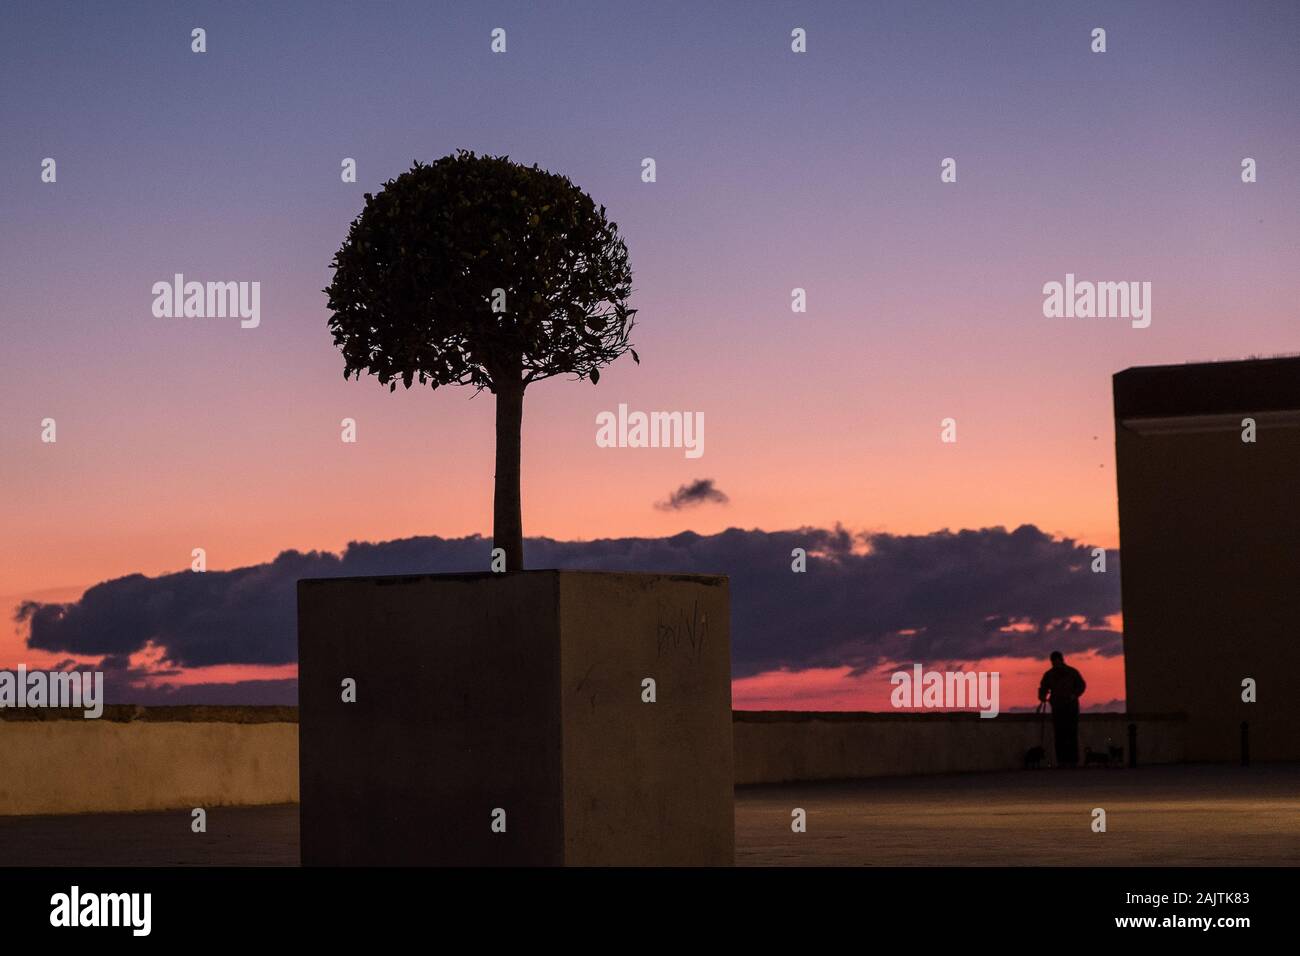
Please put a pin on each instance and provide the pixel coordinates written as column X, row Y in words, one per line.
column 249, row 756
column 782, row 747
column 89, row 766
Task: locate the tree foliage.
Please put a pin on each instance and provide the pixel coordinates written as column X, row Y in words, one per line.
column 415, row 280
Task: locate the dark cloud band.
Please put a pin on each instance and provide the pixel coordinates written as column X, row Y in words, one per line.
column 863, row 601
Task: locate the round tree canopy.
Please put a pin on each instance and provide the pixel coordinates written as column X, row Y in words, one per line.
column 475, row 270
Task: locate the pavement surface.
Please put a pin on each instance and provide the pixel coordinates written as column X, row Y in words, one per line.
column 1178, row 815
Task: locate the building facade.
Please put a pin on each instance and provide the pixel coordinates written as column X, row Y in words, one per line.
column 1208, row 469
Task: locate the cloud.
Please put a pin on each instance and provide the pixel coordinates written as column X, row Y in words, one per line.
column 864, row 601
column 696, row 493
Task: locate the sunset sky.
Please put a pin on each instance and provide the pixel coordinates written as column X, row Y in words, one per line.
column 775, row 170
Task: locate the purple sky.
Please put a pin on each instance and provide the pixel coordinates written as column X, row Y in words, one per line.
column 775, row 170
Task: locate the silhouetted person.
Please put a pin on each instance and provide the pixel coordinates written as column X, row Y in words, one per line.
column 1062, row 686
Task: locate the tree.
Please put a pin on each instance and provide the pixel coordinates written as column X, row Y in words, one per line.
column 475, row 270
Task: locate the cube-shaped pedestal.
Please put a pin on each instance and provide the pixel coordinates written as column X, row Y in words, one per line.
column 533, row 718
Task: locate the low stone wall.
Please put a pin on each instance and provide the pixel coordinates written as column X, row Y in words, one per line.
column 160, row 758
column 784, row 746
column 157, row 758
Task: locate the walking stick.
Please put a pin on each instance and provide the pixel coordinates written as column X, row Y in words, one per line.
column 1041, row 710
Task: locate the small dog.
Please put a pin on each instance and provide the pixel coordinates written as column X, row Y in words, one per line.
column 1091, row 757
column 1034, row 758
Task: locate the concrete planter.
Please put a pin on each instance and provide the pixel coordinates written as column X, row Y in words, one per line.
column 522, row 693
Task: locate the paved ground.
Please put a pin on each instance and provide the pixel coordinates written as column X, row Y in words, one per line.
column 1185, row 815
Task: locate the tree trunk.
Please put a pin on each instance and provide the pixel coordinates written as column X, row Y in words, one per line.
column 507, row 515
